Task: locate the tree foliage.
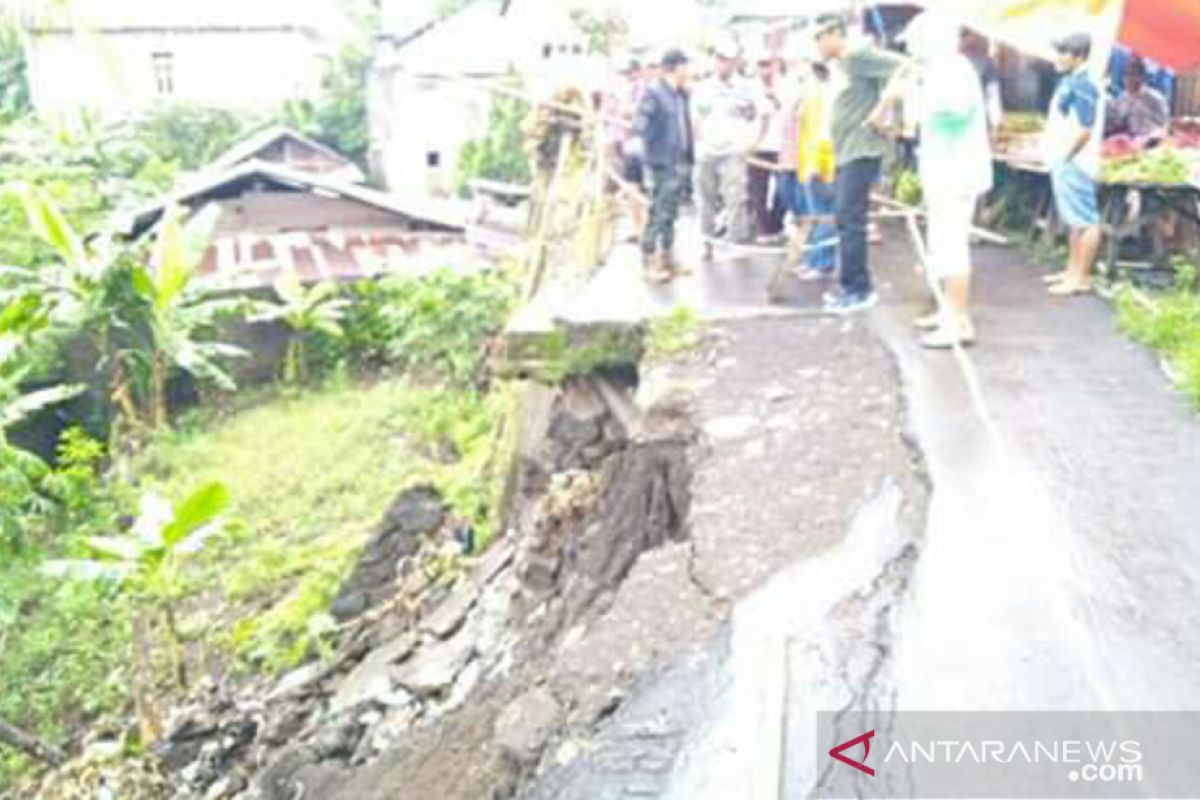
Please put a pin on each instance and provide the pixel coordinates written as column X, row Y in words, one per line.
column 14, row 73
column 499, row 154
column 338, row 117
column 606, row 29
column 190, row 137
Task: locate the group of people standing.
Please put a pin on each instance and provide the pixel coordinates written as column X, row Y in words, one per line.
column 819, row 137
column 758, row 152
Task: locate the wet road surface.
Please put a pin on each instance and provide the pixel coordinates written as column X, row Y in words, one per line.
column 1058, row 568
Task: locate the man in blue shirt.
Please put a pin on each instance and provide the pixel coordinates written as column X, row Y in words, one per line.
column 1073, row 153
column 664, row 133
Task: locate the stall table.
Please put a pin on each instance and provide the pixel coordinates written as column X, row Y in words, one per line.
column 1133, row 209
column 1128, row 209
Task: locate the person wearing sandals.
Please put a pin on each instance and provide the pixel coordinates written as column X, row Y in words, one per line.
column 1073, row 152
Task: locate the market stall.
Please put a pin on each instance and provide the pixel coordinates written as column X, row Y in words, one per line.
column 1150, row 183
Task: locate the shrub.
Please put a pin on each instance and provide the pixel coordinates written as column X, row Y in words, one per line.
column 1169, row 324
column 674, row 335
column 437, row 324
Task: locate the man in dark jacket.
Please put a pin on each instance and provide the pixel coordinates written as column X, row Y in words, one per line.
column 661, row 126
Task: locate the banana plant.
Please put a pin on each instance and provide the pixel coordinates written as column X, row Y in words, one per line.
column 148, row 560
column 144, row 320
column 68, row 288
column 179, row 311
column 304, row 311
column 85, row 290
column 20, row 321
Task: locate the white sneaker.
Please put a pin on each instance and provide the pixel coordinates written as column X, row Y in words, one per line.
column 929, row 322
column 950, row 334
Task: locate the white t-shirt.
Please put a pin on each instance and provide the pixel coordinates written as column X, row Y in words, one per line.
column 726, row 117
column 956, row 153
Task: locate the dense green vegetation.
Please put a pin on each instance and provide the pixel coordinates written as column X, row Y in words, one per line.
column 117, row 585
column 1169, row 324
column 310, row 467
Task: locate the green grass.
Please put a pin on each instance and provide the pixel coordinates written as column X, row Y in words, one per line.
column 310, row 477
column 1169, row 324
column 63, row 657
column 674, row 335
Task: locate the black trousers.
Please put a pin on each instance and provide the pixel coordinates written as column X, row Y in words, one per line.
column 765, row 208
column 853, row 207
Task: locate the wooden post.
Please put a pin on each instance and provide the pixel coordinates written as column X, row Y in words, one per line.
column 545, row 219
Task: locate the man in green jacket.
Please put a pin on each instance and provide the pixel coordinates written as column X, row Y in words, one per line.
column 864, row 71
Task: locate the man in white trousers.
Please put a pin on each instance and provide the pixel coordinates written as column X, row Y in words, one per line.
column 955, row 162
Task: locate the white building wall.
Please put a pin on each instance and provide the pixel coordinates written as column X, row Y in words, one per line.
column 115, row 72
column 423, row 126
column 429, row 98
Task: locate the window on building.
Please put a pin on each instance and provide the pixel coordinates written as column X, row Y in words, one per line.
column 164, row 73
column 433, row 159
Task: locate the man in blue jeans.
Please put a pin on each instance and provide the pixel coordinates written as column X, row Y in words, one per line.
column 859, row 148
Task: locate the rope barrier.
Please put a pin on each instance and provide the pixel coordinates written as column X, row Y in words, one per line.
column 962, row 358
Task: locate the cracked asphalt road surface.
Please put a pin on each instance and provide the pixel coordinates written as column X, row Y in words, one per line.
column 803, row 445
column 1057, row 567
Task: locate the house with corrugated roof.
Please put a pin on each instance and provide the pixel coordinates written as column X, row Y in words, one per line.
column 279, row 203
column 279, row 144
column 121, row 56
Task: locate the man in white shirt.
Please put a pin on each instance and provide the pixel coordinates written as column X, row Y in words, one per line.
column 956, row 170
column 726, row 129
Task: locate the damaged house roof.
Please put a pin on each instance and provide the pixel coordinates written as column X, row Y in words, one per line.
column 272, row 218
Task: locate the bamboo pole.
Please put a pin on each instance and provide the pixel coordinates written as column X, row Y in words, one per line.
column 545, row 219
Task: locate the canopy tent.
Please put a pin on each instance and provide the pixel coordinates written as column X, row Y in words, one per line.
column 1033, row 25
column 1167, row 31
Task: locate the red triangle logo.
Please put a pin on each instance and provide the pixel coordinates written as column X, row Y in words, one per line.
column 865, row 740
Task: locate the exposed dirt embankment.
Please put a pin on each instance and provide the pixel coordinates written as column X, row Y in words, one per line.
column 445, row 682
column 803, row 461
column 640, row 516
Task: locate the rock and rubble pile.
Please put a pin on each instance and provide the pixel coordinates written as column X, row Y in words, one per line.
column 433, row 639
